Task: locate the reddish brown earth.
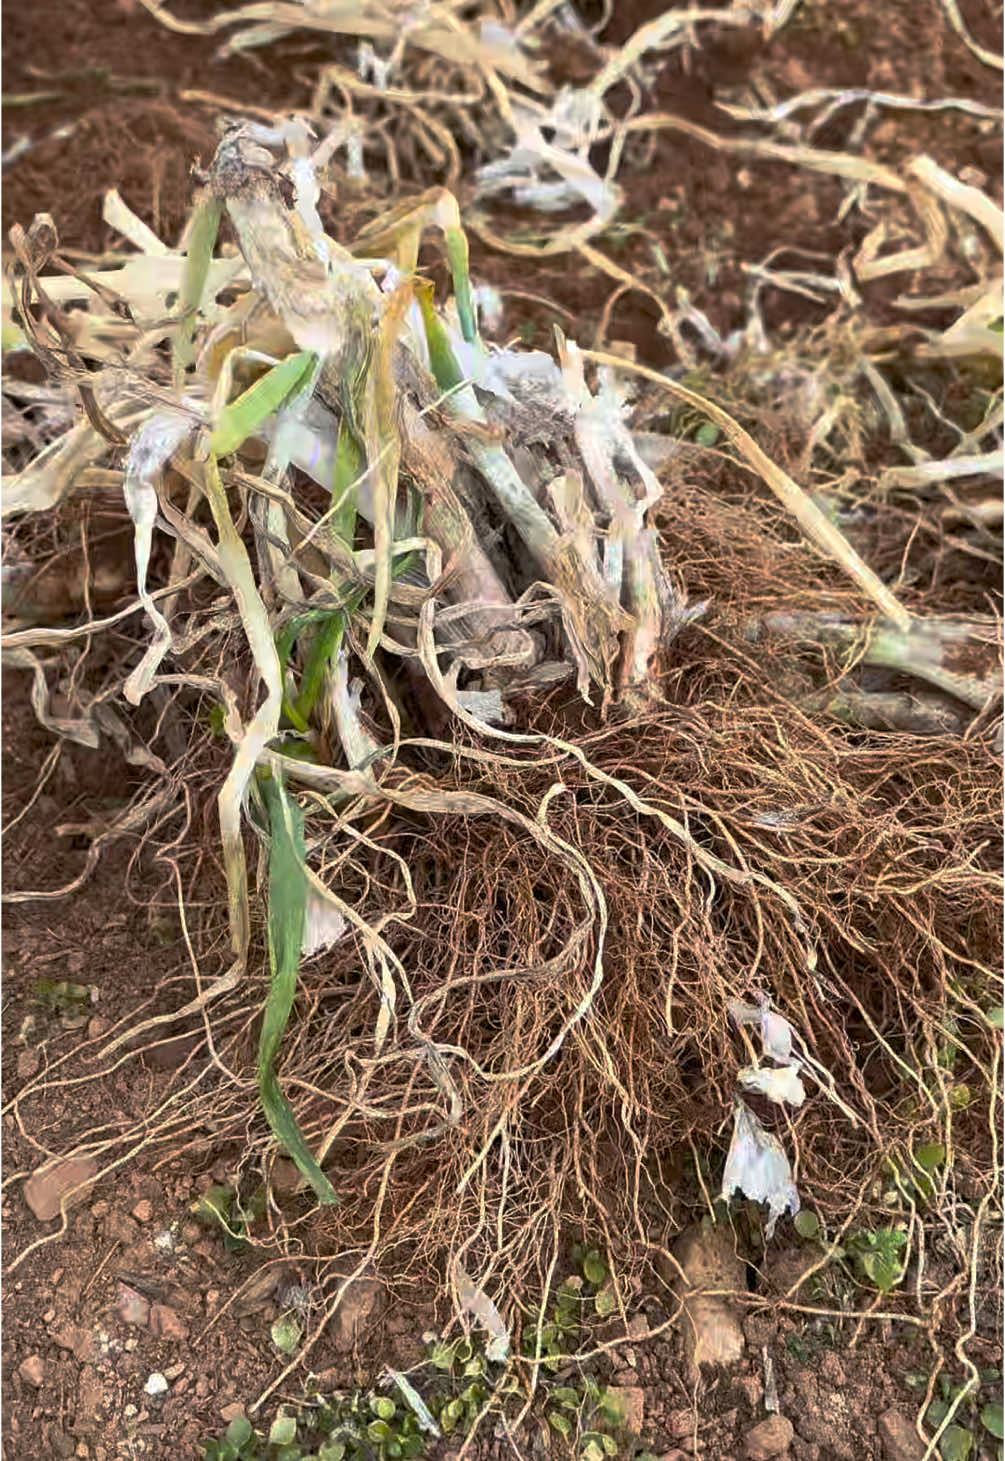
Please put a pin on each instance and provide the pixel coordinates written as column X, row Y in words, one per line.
column 119, row 77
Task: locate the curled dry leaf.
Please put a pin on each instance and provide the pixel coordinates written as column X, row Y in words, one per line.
column 758, row 1167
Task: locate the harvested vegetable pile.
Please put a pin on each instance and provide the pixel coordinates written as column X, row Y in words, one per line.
column 559, row 759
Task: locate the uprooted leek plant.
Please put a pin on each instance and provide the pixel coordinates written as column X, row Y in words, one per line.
column 484, row 518
column 330, row 476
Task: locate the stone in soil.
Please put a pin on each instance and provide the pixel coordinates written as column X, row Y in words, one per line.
column 831, row 1369
column 32, row 1371
column 28, row 1062
column 258, row 1289
column 772, row 1437
column 679, row 1423
column 785, row 1268
column 51, row 1184
column 712, row 1332
column 91, row 1398
column 359, row 1308
column 833, row 1419
column 750, row 1387
column 167, row 1323
column 133, row 1307
column 144, row 1210
column 286, row 1175
column 80, row 1342
column 901, row 1441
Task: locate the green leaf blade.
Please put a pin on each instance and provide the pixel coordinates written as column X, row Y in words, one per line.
column 287, row 914
column 244, row 416
column 202, row 237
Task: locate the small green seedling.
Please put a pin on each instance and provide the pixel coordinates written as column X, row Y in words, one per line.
column 286, row 1333
column 586, row 1415
column 214, row 1205
column 913, row 1176
column 238, row 1443
column 61, row 994
column 283, row 1431
column 460, row 1384
column 806, row 1223
column 216, row 720
column 341, row 1428
column 221, row 1206
column 877, row 1256
column 464, row 1368
column 594, row 1268
column 958, row 1442
column 949, row 1050
column 589, row 1290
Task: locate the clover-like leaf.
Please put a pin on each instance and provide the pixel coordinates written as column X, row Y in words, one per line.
column 283, row 1430
column 286, row 1333
column 605, row 1302
column 991, row 1419
column 594, row 1267
column 930, row 1155
column 956, row 1444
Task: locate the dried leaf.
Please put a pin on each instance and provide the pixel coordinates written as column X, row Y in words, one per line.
column 478, row 1303
column 758, row 1167
column 151, row 449
column 781, row 1085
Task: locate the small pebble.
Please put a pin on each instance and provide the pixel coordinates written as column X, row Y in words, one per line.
column 32, row 1371
column 133, row 1307
column 144, row 1210
column 772, row 1437
column 167, row 1323
column 58, row 1186
column 156, row 1385
column 28, row 1062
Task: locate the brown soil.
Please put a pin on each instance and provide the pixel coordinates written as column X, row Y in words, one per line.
column 120, row 76
column 130, row 128
column 712, row 213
